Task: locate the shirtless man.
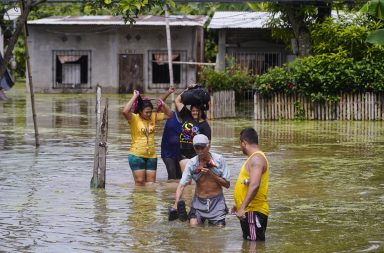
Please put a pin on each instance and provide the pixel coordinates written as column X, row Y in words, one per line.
column 210, row 173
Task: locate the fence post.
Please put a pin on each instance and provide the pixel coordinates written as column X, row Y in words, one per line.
column 99, row 162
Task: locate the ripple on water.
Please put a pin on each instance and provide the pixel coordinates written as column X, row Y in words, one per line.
column 325, row 183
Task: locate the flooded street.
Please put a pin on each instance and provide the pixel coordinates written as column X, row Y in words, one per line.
column 326, row 189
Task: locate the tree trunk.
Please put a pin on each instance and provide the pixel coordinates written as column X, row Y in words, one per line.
column 324, row 10
column 13, row 40
column 26, row 7
column 297, row 20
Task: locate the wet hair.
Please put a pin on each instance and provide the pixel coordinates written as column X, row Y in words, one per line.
column 142, row 104
column 249, row 135
column 202, row 112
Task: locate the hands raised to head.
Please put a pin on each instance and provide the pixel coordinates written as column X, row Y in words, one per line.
column 171, row 89
column 136, row 93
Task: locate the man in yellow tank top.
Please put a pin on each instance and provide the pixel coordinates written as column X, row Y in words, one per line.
column 251, row 189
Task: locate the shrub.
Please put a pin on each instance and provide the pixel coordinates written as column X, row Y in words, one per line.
column 230, row 79
column 324, row 77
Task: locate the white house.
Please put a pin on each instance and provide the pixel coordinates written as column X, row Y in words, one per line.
column 245, row 37
column 74, row 54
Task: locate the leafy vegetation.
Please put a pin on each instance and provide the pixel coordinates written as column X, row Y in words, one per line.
column 342, row 61
column 231, row 79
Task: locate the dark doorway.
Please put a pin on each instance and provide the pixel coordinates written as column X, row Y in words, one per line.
column 131, row 73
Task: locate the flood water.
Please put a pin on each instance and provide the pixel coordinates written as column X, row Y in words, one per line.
column 326, row 185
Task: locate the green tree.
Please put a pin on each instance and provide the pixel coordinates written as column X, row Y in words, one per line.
column 25, row 7
column 128, row 9
column 298, row 18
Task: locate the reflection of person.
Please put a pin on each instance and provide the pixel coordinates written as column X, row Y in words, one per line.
column 142, row 155
column 251, row 189
column 170, row 143
column 210, row 173
column 193, row 123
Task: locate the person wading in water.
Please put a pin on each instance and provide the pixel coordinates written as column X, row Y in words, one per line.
column 142, row 156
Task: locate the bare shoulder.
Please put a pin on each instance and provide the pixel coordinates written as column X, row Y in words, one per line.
column 257, row 161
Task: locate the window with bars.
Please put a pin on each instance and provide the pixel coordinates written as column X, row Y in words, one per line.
column 159, row 69
column 257, row 63
column 72, row 69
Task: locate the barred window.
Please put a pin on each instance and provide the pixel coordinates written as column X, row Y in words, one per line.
column 72, row 69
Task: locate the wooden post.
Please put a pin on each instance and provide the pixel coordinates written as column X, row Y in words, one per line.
column 99, row 162
column 169, row 48
column 31, row 92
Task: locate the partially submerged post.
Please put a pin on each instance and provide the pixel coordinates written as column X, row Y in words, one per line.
column 99, row 162
column 31, row 91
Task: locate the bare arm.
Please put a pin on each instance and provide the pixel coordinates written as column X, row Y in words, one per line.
column 221, row 181
column 179, row 193
column 255, row 167
column 167, row 111
column 166, row 94
column 179, row 104
column 164, row 107
column 127, row 108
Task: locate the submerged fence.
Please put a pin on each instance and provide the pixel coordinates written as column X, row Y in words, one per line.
column 361, row 106
column 222, row 105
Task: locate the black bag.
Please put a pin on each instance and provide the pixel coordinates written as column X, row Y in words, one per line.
column 196, row 96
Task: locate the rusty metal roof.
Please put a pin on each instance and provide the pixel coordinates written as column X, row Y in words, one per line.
column 149, row 20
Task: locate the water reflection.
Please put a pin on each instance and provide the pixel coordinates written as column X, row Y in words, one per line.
column 326, row 186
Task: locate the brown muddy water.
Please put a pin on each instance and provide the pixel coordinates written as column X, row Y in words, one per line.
column 326, row 185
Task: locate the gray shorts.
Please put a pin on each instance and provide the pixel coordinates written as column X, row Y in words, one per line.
column 212, row 209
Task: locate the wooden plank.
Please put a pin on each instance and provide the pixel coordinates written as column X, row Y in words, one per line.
column 348, row 113
column 255, row 112
column 371, row 106
column 261, row 108
column 343, row 109
column 99, row 166
column 365, row 106
column 376, row 106
column 306, row 108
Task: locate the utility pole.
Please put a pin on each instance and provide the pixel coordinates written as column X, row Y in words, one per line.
column 169, row 47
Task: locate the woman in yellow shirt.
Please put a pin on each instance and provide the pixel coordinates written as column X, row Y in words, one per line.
column 142, row 156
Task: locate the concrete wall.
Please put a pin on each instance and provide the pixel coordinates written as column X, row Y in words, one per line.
column 105, row 43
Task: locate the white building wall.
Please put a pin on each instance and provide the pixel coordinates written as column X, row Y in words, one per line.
column 106, row 43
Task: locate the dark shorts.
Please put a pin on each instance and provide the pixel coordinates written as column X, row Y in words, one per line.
column 173, row 167
column 211, row 209
column 254, row 226
column 140, row 163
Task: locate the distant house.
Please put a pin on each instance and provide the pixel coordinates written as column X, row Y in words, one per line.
column 77, row 53
column 244, row 38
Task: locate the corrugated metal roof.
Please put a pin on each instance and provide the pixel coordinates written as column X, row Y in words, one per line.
column 238, row 19
column 187, row 20
column 257, row 19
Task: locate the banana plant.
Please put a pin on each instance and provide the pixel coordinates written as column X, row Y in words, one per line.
column 375, row 8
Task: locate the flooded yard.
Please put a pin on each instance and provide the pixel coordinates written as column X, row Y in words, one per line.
column 326, row 184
